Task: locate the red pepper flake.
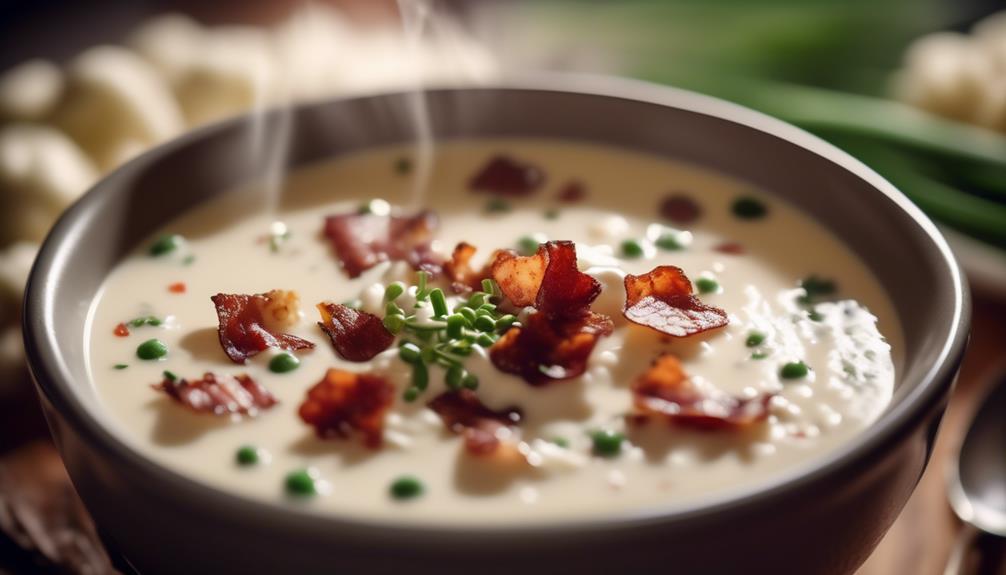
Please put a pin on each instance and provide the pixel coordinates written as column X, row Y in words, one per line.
column 680, row 209
column 573, row 192
column 356, row 335
column 248, row 324
column 664, row 391
column 505, row 176
column 463, row 414
column 361, row 241
column 177, row 287
column 121, row 330
column 662, row 300
column 345, row 403
column 554, row 343
column 731, row 248
column 218, row 395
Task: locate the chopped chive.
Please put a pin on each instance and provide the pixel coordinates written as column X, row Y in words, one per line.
column 410, row 394
column 170, row 376
column 477, row 300
column 815, row 287
column 814, row 315
column 455, row 377
column 393, row 290
column 394, row 323
column 406, row 487
column 165, row 244
column 759, row 355
column 421, row 293
column 469, row 314
column 504, row 323
column 455, row 325
column 120, row 366
column 420, row 376
column 485, row 323
column 527, row 245
column 497, row 205
column 409, row 353
column 301, row 483
column 747, row 208
column 561, row 442
column 470, row 381
column 794, row 370
column 391, row 308
column 552, row 214
column 632, row 249
column 189, row 260
column 755, row 338
column 707, row 285
column 151, row 349
column 246, row 456
column 439, row 302
column 403, row 166
column 607, row 443
column 485, row 340
column 284, row 363
column 489, row 286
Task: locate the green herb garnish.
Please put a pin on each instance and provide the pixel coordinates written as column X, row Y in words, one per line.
column 284, row 363
column 632, row 249
column 607, row 443
column 497, row 206
column 406, row 487
column 755, row 338
column 151, row 349
column 816, row 288
column 707, row 285
column 246, row 456
column 170, row 376
column 749, row 208
column 794, row 370
column 120, row 366
column 166, row 244
column 301, row 483
column 145, row 320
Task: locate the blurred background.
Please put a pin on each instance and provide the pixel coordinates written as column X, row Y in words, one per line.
column 914, row 88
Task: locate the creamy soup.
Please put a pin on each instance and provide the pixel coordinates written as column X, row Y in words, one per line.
column 788, row 361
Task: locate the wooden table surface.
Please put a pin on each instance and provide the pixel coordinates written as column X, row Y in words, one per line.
column 918, row 543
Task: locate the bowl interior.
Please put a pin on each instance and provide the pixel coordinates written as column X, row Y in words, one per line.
column 893, row 238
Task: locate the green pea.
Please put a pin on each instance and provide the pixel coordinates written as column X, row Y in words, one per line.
column 284, row 363
column 406, row 487
column 707, row 285
column 151, row 349
column 669, row 242
column 748, row 208
column 607, row 443
column 527, row 246
column 166, row 244
column 301, row 483
column 632, row 249
column 755, row 338
column 794, row 370
column 247, row 455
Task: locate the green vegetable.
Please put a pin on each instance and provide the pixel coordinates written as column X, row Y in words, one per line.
column 497, row 205
column 120, row 366
column 406, row 487
column 669, row 241
column 794, row 370
column 166, row 244
column 527, row 245
column 749, row 208
column 759, row 355
column 170, row 376
column 632, row 249
column 151, row 349
column 816, row 288
column 607, row 443
column 302, row 483
column 403, row 166
column 439, row 302
column 284, row 363
column 247, row 455
column 755, row 338
column 393, row 291
column 707, row 285
column 145, row 320
column 561, row 442
column 552, row 214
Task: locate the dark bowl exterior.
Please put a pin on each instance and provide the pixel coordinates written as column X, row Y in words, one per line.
column 823, row 520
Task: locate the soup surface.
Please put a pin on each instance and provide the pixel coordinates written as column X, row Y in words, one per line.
column 583, row 403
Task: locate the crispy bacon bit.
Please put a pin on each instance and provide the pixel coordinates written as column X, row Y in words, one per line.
column 459, row 270
column 463, row 413
column 555, row 342
column 362, row 241
column 344, row 403
column 731, row 248
column 121, row 330
column 545, row 349
column 680, row 209
column 505, row 176
column 665, row 391
column 248, row 324
column 218, row 395
column 662, row 299
column 177, row 287
column 356, row 335
column 573, row 192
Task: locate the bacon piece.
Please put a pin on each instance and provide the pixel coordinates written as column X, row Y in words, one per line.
column 731, row 248
column 344, row 403
column 505, row 176
column 356, row 335
column 665, row 391
column 248, row 324
column 218, row 395
column 519, row 277
column 547, row 349
column 662, row 300
column 549, row 279
column 680, row 208
column 573, row 192
column 361, row 241
column 463, row 414
column 459, row 270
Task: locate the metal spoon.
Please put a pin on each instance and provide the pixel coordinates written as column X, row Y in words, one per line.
column 977, row 484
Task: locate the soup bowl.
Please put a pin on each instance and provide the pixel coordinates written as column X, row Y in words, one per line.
column 824, row 517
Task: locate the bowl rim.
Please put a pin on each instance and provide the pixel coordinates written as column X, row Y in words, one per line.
column 55, row 383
